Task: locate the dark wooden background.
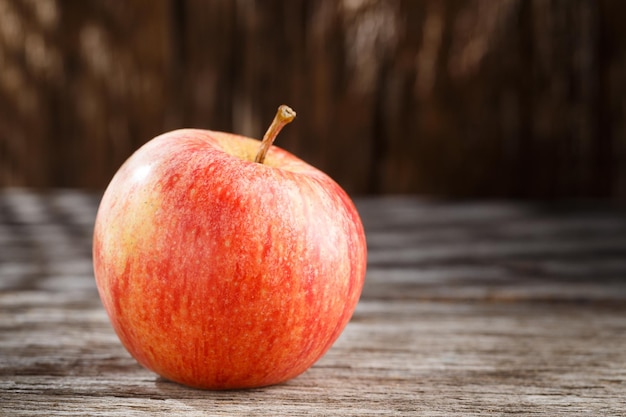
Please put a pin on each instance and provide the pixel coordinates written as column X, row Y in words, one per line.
column 502, row 98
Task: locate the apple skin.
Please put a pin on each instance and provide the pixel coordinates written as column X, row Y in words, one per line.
column 217, row 272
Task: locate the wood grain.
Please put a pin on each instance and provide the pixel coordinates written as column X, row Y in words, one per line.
column 469, row 309
column 510, row 98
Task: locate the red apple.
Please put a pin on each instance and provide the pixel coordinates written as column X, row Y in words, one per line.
column 220, row 272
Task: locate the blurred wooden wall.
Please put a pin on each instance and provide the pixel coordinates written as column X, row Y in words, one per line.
column 508, row 98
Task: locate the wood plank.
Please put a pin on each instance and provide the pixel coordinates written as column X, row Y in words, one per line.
column 469, row 309
column 461, row 98
column 394, row 359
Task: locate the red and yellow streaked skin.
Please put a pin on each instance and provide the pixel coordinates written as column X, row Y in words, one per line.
column 218, row 272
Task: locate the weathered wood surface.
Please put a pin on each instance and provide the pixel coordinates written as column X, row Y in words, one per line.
column 469, row 309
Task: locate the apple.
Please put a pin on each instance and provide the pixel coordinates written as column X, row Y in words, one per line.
column 224, row 262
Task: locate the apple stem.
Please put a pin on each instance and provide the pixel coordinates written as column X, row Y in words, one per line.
column 284, row 115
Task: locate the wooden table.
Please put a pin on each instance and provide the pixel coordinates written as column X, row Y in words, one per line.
column 470, row 308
